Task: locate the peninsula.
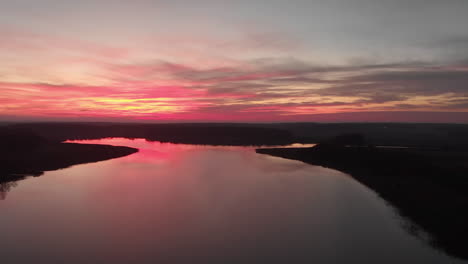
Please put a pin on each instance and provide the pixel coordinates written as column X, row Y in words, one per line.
column 426, row 185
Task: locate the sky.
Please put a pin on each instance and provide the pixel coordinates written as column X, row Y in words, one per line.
column 234, row 61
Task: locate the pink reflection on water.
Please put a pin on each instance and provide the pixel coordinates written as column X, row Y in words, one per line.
column 175, row 203
column 151, row 151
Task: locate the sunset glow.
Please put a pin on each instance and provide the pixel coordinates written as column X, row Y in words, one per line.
column 154, row 61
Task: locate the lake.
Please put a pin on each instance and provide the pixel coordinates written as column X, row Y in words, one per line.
column 175, row 203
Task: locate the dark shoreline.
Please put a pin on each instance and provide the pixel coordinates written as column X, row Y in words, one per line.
column 17, row 164
column 259, row 134
column 428, row 186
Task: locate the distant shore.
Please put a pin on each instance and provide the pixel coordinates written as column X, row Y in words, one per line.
column 429, row 186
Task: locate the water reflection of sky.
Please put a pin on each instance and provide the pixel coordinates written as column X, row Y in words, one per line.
column 172, row 203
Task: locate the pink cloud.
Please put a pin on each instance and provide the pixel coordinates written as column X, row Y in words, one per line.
column 210, row 87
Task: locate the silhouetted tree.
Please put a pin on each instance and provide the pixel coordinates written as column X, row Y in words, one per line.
column 15, row 139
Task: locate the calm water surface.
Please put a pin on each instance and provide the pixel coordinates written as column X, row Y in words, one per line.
column 173, row 203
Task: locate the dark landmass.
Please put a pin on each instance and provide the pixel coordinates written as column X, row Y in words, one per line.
column 24, row 153
column 388, row 134
column 56, row 156
column 383, row 134
column 206, row 134
column 427, row 185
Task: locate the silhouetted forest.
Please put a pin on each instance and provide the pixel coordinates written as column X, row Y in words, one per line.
column 386, row 134
column 390, row 134
column 209, row 134
column 428, row 185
